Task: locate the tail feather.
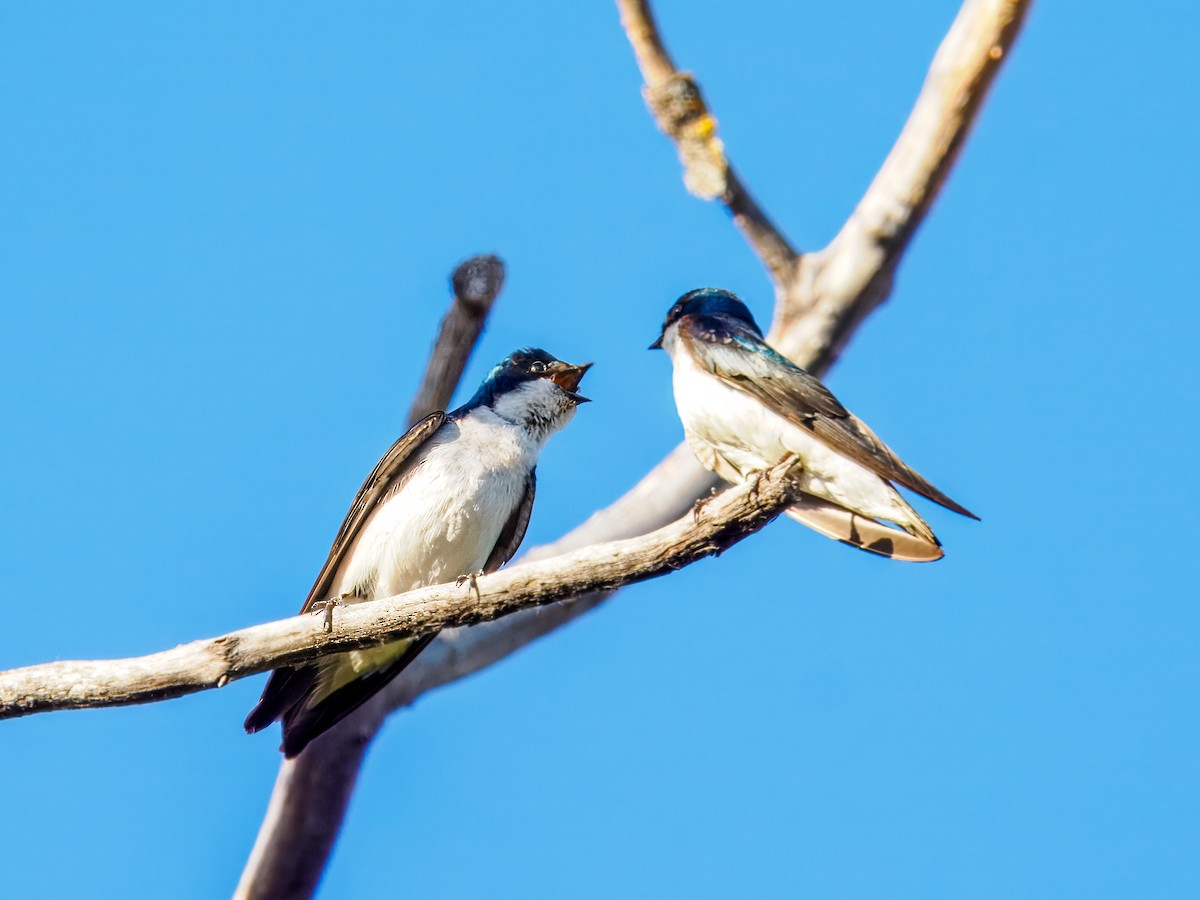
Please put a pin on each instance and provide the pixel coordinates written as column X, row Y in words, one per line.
column 295, row 696
column 864, row 533
column 910, row 520
column 307, row 719
column 285, row 688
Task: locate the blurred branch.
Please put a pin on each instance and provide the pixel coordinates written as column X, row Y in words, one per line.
column 679, row 110
column 202, row 665
column 821, row 298
column 476, row 283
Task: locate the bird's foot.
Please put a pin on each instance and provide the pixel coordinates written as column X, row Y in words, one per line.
column 472, row 582
column 792, row 464
column 753, row 481
column 698, row 508
column 327, row 607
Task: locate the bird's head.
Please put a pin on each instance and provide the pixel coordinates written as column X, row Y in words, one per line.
column 533, row 389
column 703, row 302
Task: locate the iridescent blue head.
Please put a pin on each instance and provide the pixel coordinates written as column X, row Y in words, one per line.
column 706, row 302
column 529, row 372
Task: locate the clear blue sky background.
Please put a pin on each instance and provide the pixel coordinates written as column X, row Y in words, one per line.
column 226, row 232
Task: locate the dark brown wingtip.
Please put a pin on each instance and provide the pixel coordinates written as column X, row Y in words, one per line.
column 942, row 500
column 256, row 721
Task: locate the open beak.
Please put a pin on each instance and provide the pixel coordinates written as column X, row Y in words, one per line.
column 567, row 377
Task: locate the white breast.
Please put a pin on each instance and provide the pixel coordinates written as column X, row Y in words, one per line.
column 733, row 434
column 447, row 517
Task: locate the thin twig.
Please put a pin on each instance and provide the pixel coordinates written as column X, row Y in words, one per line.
column 679, row 109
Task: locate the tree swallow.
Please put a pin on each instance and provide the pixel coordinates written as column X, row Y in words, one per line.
column 746, row 408
column 450, row 499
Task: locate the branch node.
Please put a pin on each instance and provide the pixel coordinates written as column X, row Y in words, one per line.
column 477, row 281
column 679, row 110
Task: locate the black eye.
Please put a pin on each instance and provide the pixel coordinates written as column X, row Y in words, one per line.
column 537, row 368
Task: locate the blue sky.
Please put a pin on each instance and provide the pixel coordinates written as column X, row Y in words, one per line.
column 226, row 236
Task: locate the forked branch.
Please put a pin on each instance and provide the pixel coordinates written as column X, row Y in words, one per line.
column 820, row 299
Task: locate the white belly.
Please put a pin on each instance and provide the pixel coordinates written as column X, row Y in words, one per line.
column 443, row 524
column 448, row 516
column 733, row 434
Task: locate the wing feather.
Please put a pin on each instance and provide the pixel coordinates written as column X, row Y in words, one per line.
column 740, row 357
column 288, row 687
column 514, row 529
column 379, row 484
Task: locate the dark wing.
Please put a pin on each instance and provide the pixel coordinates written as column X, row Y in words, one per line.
column 737, row 355
column 514, row 529
column 302, row 723
column 288, row 686
column 381, row 482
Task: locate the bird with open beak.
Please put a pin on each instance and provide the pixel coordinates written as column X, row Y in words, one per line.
column 451, row 499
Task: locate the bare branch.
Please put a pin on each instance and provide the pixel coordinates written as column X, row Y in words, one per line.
column 476, row 283
column 303, row 818
column 821, row 298
column 679, row 110
column 215, row 662
column 834, row 290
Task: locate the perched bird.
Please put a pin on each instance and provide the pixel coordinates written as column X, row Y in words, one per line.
column 450, row 499
column 746, row 408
